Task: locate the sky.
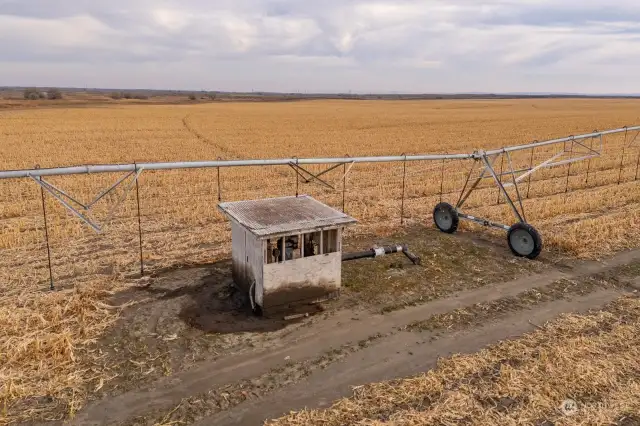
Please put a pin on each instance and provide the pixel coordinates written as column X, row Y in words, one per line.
column 408, row 46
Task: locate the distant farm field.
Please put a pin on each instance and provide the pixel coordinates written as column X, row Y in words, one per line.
column 586, row 210
column 177, row 203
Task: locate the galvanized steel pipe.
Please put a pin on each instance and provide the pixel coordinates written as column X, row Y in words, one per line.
column 114, row 168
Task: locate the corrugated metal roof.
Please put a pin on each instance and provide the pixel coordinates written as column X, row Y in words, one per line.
column 277, row 216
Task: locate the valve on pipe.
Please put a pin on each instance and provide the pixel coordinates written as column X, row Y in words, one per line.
column 382, row 251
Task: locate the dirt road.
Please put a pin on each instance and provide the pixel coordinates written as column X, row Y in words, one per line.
column 313, row 362
column 403, row 354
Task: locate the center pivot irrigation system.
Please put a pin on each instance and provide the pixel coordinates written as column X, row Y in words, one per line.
column 523, row 239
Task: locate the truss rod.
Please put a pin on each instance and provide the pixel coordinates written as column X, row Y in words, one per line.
column 517, row 214
column 562, row 140
column 591, row 150
column 551, row 164
column 299, row 171
column 67, row 205
column 570, row 160
column 515, row 184
column 52, row 188
column 538, row 167
column 123, row 197
column 108, row 190
column 335, row 166
column 113, row 168
column 464, row 197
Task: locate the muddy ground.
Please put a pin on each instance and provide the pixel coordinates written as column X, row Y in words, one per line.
column 190, row 351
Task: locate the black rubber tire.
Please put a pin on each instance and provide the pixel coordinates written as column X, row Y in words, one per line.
column 536, row 240
column 453, row 214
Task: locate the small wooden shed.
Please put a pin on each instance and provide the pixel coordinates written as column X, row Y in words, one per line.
column 286, row 250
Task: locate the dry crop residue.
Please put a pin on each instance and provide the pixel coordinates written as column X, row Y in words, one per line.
column 45, row 336
column 588, row 359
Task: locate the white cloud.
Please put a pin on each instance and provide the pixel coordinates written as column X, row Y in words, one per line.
column 172, row 19
column 241, row 33
column 333, row 45
column 69, row 32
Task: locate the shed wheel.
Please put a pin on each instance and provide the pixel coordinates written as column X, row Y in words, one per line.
column 524, row 240
column 446, row 218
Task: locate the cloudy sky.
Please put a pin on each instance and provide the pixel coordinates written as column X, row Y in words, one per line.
column 587, row 46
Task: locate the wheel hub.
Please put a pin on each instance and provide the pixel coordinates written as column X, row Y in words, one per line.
column 522, row 242
column 444, row 219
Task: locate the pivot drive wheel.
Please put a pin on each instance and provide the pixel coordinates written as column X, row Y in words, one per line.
column 446, row 218
column 524, row 240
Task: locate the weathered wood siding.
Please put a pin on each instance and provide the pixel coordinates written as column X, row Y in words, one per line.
column 248, row 257
column 285, row 283
column 238, row 254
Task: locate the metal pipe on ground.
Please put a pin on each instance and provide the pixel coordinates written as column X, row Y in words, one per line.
column 382, row 251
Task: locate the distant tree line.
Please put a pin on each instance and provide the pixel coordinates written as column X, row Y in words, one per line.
column 203, row 95
column 191, row 96
column 128, row 95
column 34, row 94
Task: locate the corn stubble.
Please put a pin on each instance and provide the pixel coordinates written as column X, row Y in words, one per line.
column 46, row 339
column 590, row 359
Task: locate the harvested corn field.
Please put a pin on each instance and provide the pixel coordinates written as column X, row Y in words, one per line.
column 60, row 349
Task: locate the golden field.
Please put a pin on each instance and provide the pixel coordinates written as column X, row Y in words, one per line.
column 44, row 334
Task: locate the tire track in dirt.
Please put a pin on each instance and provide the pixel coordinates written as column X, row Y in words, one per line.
column 297, row 347
column 234, row 394
column 403, row 354
column 230, row 154
column 343, row 328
